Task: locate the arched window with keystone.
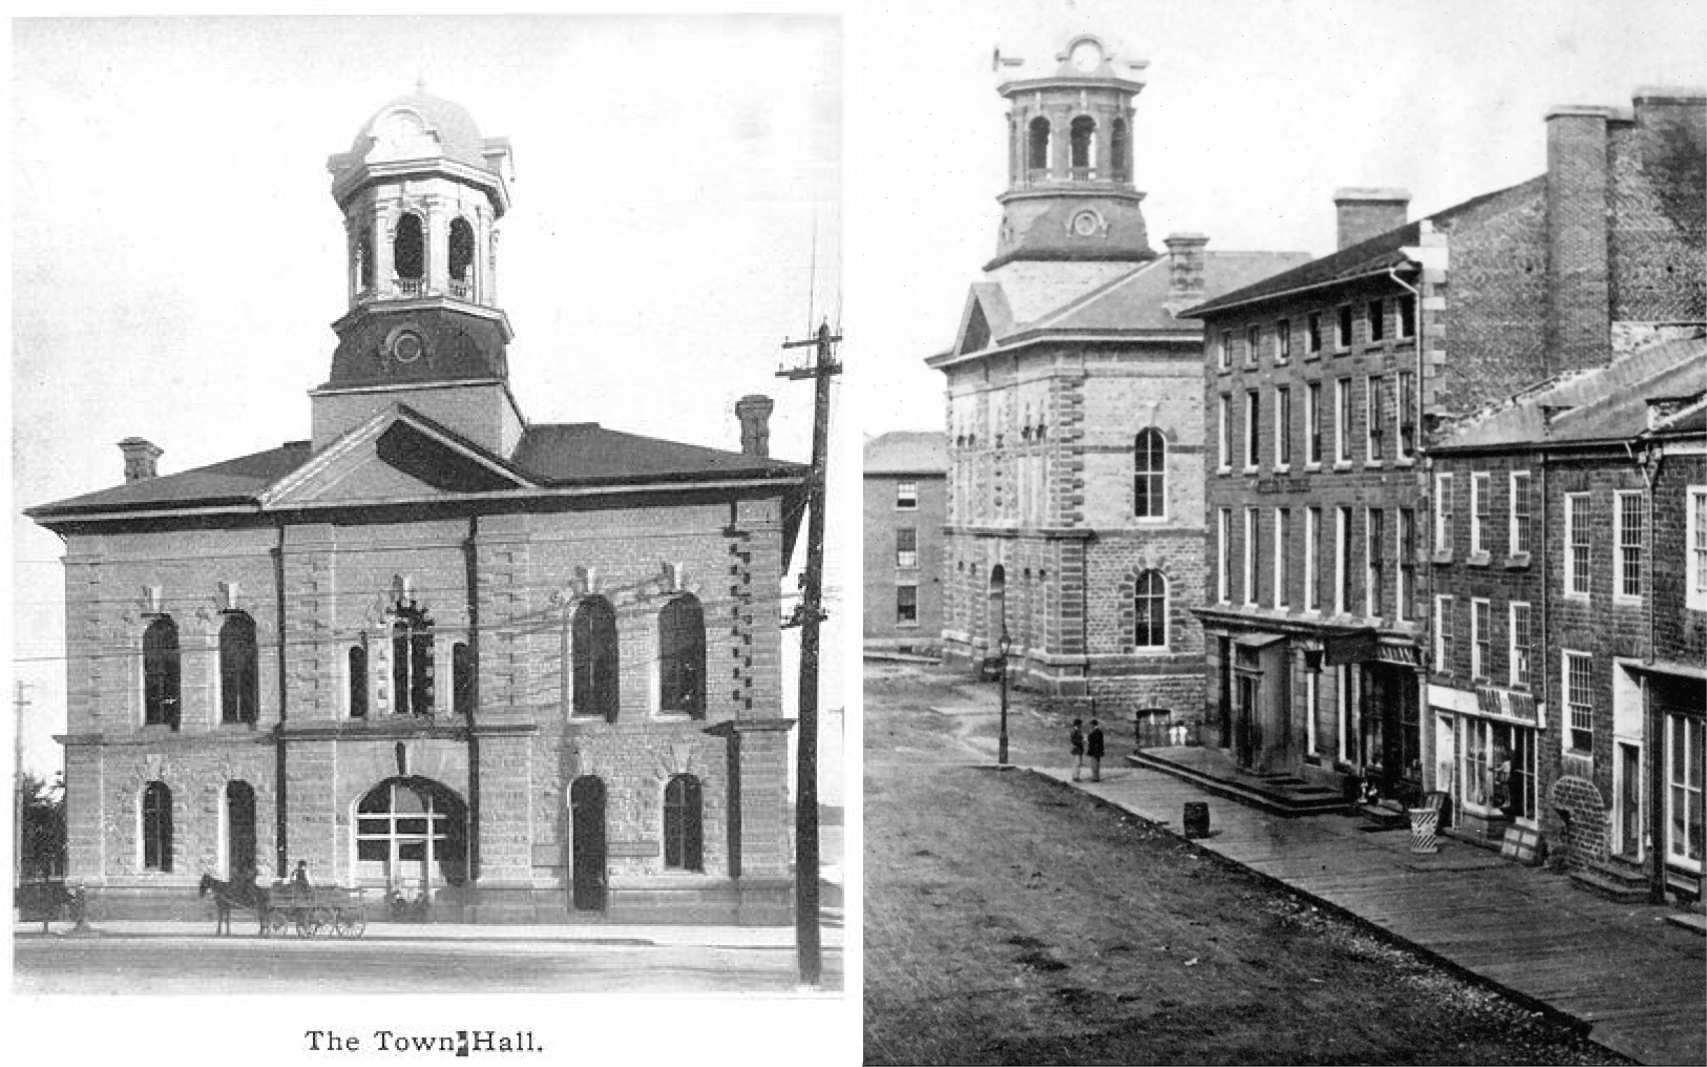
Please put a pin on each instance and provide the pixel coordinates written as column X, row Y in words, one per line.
column 1149, row 475
column 239, row 684
column 681, row 657
column 161, row 674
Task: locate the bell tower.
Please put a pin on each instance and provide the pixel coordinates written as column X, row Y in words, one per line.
column 422, row 192
column 1070, row 197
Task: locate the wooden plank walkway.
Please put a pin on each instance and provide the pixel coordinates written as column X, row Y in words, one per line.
column 1640, row 981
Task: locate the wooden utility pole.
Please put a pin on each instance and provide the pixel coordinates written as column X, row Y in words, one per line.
column 21, row 703
column 808, row 616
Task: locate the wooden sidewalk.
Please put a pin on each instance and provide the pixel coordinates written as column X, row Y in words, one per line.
column 1639, row 981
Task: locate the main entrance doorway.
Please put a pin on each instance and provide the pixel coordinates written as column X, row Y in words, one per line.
column 588, row 866
column 411, row 838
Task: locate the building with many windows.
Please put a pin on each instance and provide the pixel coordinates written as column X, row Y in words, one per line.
column 1075, row 516
column 905, row 507
column 517, row 671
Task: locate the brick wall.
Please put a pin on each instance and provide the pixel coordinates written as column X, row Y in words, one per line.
column 882, row 571
column 1680, row 633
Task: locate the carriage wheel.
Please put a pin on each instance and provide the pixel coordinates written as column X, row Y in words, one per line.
column 325, row 922
column 277, row 921
column 351, row 922
column 307, row 922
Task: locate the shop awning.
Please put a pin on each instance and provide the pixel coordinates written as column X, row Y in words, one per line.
column 1254, row 641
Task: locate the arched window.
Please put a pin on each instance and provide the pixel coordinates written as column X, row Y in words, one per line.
column 1149, row 475
column 358, row 681
column 684, row 833
column 364, row 261
column 239, row 685
column 411, row 833
column 156, row 827
column 1119, row 150
column 408, row 250
column 160, row 673
column 1151, row 611
column 461, row 679
column 1037, row 153
column 1080, row 136
column 593, row 650
column 411, row 660
column 239, row 829
column 681, row 657
column 461, row 258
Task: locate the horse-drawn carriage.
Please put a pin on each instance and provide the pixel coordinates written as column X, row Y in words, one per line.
column 313, row 911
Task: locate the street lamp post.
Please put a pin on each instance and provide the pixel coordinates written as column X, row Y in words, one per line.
column 1005, row 643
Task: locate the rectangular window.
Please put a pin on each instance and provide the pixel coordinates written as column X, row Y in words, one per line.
column 1443, row 634
column 1251, row 556
column 1579, row 698
column 906, row 605
column 1224, row 554
column 1443, row 513
column 1479, row 509
column 1696, row 539
column 1313, row 422
column 1282, row 427
column 1407, row 563
column 1377, row 416
column 1629, row 578
column 1313, row 333
column 1407, row 315
column 1224, row 349
column 906, row 495
column 1342, row 420
column 1520, row 513
column 1481, row 616
column 1576, row 540
column 1684, row 778
column 1282, row 555
column 1347, row 700
column 1226, row 457
column 1283, row 340
column 1252, row 447
column 1342, row 560
column 1520, row 644
column 1377, row 322
column 1374, row 542
column 1312, row 559
column 1253, row 341
column 1342, row 329
column 906, row 547
column 1407, row 406
column 1312, row 680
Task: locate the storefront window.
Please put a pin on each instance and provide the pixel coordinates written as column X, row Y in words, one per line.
column 1684, row 781
column 1499, row 768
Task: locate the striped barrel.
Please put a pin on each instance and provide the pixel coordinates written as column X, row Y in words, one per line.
column 1423, row 824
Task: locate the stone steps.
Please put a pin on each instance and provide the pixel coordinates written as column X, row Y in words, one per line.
column 1620, row 886
column 1278, row 794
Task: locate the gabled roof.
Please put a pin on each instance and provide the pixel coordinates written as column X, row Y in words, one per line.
column 1139, row 300
column 577, row 453
column 233, row 481
column 1376, row 254
column 907, row 452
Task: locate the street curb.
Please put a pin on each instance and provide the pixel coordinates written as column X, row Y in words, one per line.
column 1578, row 1026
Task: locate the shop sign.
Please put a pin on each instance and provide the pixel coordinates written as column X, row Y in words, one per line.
column 1283, row 484
column 1358, row 647
column 1404, row 655
column 1513, row 705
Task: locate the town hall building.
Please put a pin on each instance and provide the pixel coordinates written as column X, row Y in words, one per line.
column 516, row 671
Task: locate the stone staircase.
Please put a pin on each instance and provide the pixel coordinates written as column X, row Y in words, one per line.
column 1278, row 794
column 1622, row 885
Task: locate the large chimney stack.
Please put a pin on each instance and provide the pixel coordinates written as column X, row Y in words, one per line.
column 1185, row 270
column 139, row 458
column 1366, row 213
column 754, row 411
column 1579, row 295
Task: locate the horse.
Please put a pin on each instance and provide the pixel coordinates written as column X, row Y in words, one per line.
column 238, row 891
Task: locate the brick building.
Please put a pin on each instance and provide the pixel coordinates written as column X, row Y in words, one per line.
column 906, row 504
column 1075, row 447
column 1322, row 385
column 1559, row 699
column 524, row 671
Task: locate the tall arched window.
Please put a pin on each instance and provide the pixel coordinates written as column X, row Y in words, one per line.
column 1149, row 475
column 239, row 829
column 156, row 827
column 160, row 673
column 461, row 679
column 593, row 650
column 408, row 249
column 681, row 657
column 358, row 681
column 411, row 832
column 1037, row 150
column 684, row 833
column 411, row 660
column 1150, row 604
column 239, row 685
column 1080, row 136
column 461, row 258
column 1119, row 150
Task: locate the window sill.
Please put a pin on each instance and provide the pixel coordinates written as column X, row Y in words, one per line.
column 906, row 624
column 1342, row 464
column 1627, row 601
column 1253, row 469
column 1313, row 357
column 1374, row 464
column 1517, row 562
column 1405, row 461
column 1477, row 559
column 1313, row 468
column 1287, row 469
column 1441, row 555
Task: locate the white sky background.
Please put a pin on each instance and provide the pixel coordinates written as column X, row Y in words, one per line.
column 178, row 258
column 1253, row 114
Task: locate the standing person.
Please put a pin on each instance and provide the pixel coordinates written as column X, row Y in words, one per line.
column 1076, row 740
column 299, row 880
column 1093, row 749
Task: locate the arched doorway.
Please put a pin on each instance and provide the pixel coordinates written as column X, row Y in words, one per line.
column 239, row 829
column 411, row 837
column 587, row 840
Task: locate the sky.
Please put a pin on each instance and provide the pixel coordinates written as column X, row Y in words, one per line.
column 1252, row 115
column 178, row 258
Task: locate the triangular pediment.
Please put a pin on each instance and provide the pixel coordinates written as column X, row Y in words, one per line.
column 985, row 318
column 398, row 455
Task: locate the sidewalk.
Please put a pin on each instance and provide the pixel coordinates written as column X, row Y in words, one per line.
column 1640, row 981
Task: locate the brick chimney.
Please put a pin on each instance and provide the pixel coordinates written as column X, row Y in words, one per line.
column 754, row 411
column 1366, row 213
column 1578, row 331
column 1185, row 269
column 139, row 458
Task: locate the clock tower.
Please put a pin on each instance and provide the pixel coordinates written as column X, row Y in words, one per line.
column 1070, row 197
column 422, row 193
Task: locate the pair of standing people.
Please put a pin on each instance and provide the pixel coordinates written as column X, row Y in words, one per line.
column 1086, row 747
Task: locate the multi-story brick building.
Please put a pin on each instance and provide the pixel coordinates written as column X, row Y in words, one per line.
column 1075, row 520
column 524, row 671
column 1323, row 383
column 906, row 504
column 1555, row 701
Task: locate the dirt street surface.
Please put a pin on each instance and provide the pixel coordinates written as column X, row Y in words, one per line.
column 1011, row 920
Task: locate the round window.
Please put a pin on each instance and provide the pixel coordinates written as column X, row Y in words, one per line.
column 1085, row 223
column 407, row 346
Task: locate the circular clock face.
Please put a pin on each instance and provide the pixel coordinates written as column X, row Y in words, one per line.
column 407, row 346
column 1084, row 224
column 1086, row 56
